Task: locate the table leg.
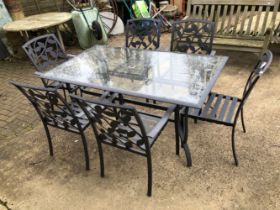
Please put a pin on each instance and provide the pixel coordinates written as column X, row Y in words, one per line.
column 181, row 124
column 25, row 35
column 60, row 38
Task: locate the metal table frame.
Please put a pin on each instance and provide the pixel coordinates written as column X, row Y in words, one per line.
column 180, row 122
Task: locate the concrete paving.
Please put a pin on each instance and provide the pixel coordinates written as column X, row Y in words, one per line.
column 31, row 179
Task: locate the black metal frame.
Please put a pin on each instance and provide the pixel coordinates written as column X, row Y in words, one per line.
column 180, row 123
column 54, row 111
column 143, row 33
column 227, row 109
column 45, row 52
column 192, row 35
column 121, row 126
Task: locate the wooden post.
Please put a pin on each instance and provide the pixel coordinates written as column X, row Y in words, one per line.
column 15, row 9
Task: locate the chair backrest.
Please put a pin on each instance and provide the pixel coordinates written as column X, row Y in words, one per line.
column 44, row 52
column 50, row 105
column 143, row 33
column 192, row 36
column 114, row 124
column 260, row 68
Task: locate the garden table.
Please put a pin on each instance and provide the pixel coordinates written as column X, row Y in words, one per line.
column 177, row 78
column 40, row 21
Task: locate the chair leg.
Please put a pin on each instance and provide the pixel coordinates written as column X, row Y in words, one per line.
column 85, row 149
column 101, row 159
column 177, row 134
column 149, row 165
column 242, row 121
column 49, row 139
column 185, row 143
column 188, row 155
column 233, row 146
column 184, row 124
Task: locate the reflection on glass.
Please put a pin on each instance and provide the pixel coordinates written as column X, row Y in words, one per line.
column 160, row 75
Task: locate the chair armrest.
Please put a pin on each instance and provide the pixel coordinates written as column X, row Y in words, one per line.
column 154, row 133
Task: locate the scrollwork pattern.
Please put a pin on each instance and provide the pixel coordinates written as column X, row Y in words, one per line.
column 143, row 34
column 192, row 36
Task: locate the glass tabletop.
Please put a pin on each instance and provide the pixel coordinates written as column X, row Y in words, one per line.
column 178, row 78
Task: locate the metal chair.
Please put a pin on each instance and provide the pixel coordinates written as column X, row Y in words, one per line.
column 121, row 126
column 54, row 111
column 46, row 52
column 143, row 33
column 226, row 109
column 193, row 36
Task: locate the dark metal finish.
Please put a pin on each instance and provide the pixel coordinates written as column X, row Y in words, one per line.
column 143, row 33
column 181, row 126
column 123, row 70
column 54, row 111
column 224, row 109
column 121, row 126
column 45, row 52
column 192, row 36
column 180, row 129
column 143, row 73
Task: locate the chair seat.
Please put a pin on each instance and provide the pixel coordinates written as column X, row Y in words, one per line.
column 149, row 123
column 153, row 126
column 66, row 121
column 218, row 108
